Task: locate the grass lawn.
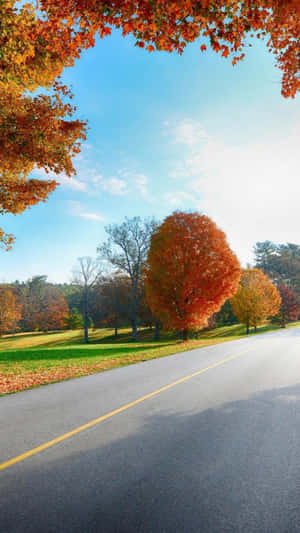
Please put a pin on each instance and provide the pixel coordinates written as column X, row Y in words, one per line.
column 31, row 359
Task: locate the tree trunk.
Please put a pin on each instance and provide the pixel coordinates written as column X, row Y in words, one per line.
column 247, row 327
column 255, row 328
column 157, row 331
column 134, row 311
column 185, row 334
column 134, row 328
column 116, row 329
column 86, row 317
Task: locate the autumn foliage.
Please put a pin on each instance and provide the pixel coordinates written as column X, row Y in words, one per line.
column 191, row 271
column 171, row 24
column 289, row 307
column 10, row 310
column 35, row 131
column 39, row 39
column 256, row 299
column 44, row 306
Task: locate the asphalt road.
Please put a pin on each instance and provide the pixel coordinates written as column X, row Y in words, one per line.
column 218, row 452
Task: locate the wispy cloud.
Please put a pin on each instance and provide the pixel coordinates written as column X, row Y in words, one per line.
column 179, row 198
column 187, row 131
column 115, row 186
column 72, row 183
column 77, row 209
column 141, row 182
column 92, row 216
column 96, row 179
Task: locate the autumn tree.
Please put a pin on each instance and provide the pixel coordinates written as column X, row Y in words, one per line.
column 32, row 295
column 44, row 307
column 126, row 250
column 110, row 303
column 190, row 271
column 115, row 301
column 289, row 307
column 10, row 311
column 34, row 133
column 86, row 275
column 35, row 130
column 54, row 311
column 256, row 298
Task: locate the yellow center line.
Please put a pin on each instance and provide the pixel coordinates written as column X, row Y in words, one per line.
column 96, row 421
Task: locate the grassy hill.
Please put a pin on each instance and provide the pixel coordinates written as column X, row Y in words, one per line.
column 31, row 359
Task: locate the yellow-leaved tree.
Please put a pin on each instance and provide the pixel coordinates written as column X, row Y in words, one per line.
column 256, row 299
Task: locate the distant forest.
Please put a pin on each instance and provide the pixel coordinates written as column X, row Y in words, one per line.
column 38, row 305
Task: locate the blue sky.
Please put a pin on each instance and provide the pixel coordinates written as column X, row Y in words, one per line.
column 168, row 132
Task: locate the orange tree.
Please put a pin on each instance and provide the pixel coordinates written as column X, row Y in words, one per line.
column 10, row 310
column 190, row 271
column 35, row 131
column 53, row 314
column 256, row 298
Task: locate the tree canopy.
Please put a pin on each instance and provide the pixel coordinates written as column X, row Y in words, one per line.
column 281, row 262
column 39, row 39
column 289, row 307
column 170, row 25
column 10, row 310
column 126, row 249
column 256, row 299
column 190, row 271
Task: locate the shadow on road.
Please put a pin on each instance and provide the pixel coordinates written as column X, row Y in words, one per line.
column 235, row 468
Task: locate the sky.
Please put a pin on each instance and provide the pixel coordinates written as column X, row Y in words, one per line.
column 167, row 132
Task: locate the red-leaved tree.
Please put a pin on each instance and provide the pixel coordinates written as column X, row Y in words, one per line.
column 190, row 271
column 289, row 307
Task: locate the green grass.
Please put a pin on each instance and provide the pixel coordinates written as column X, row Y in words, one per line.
column 31, row 359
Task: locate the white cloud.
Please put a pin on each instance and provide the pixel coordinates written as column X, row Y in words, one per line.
column 178, row 198
column 115, row 186
column 138, row 181
column 252, row 190
column 141, row 182
column 92, row 216
column 76, row 209
column 73, row 183
column 97, row 179
column 188, row 132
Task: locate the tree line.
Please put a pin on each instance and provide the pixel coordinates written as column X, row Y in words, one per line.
column 179, row 274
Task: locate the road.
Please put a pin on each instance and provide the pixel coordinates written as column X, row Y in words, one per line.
column 216, row 452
